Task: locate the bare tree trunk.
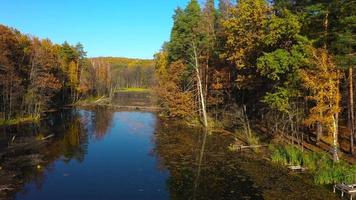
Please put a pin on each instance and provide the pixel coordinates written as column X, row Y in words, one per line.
column 335, row 137
column 336, row 127
column 10, row 99
column 290, row 118
column 206, row 77
column 111, row 94
column 247, row 122
column 4, row 102
column 326, row 27
column 351, row 110
column 200, row 88
column 5, row 97
column 319, row 131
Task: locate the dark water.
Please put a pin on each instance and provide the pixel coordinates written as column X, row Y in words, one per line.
column 102, row 154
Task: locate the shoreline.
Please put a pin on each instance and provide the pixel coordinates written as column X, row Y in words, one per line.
column 119, row 108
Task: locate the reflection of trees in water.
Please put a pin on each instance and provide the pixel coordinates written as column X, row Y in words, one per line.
column 102, row 122
column 75, row 141
column 71, row 137
column 222, row 174
column 30, row 156
column 217, row 176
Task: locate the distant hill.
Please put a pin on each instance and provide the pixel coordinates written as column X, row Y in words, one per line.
column 120, row 62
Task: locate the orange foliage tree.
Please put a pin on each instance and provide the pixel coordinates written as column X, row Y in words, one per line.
column 176, row 101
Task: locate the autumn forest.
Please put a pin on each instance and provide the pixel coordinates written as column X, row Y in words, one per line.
column 283, row 68
column 37, row 75
column 290, row 63
column 274, row 78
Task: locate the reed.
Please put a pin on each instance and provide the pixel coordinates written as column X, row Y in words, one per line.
column 321, row 165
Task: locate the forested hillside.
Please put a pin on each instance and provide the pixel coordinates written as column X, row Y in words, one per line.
column 285, row 65
column 37, row 75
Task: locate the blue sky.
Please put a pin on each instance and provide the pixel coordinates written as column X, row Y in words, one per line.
column 125, row 28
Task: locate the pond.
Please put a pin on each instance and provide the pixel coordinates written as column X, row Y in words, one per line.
column 103, row 154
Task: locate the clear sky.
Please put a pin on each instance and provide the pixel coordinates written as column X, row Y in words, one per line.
column 125, row 28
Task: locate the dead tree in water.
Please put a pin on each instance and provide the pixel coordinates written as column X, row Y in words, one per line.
column 200, row 87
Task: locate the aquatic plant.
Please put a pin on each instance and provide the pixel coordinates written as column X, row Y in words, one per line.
column 278, row 155
column 320, row 164
column 331, row 173
column 308, row 160
column 294, row 155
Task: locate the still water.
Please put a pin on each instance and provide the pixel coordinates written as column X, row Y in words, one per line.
column 102, row 154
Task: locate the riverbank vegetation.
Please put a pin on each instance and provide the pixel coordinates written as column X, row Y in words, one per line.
column 285, row 67
column 325, row 171
column 37, row 75
column 224, row 174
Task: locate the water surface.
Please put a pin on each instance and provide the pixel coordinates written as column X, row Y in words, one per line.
column 102, row 154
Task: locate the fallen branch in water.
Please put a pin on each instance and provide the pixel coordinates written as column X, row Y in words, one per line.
column 47, row 137
column 101, row 98
column 241, row 147
column 253, row 146
column 6, row 187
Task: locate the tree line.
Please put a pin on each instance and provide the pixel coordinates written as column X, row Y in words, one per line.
column 37, row 75
column 287, row 64
column 116, row 73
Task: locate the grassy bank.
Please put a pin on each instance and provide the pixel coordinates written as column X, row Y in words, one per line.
column 134, row 90
column 320, row 164
column 19, row 120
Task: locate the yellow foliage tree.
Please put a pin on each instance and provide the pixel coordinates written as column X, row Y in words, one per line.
column 245, row 32
column 322, row 80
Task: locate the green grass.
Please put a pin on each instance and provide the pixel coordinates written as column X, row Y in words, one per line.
column 133, row 90
column 324, row 170
column 19, row 120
